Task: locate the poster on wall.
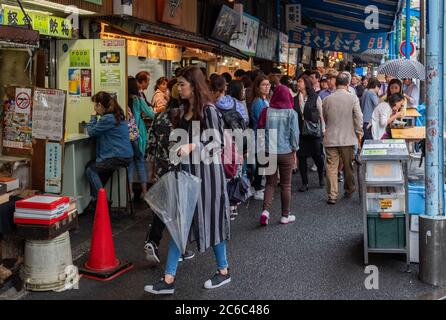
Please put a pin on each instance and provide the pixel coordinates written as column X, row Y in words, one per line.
column 80, row 58
column 267, row 43
column 246, row 41
column 86, row 90
column 23, row 100
column 48, row 114
column 17, row 126
column 111, row 67
column 74, row 82
column 53, row 167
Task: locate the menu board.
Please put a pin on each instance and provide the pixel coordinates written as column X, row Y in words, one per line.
column 17, row 122
column 111, row 68
column 267, row 43
column 48, row 114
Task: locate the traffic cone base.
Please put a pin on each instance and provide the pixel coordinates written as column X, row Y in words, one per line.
column 109, row 275
column 102, row 263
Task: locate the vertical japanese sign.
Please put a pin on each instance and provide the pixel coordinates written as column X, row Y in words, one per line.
column 293, row 16
column 284, row 48
column 267, row 43
column 53, row 167
column 246, row 41
column 370, row 43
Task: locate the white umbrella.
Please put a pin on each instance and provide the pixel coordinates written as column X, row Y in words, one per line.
column 403, row 69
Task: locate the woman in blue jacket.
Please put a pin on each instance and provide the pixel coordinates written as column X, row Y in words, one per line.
column 113, row 148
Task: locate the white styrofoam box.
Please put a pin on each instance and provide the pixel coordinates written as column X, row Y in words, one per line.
column 386, row 199
column 414, row 247
column 384, row 171
column 414, row 223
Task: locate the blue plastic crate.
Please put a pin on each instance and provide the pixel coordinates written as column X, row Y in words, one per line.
column 417, row 199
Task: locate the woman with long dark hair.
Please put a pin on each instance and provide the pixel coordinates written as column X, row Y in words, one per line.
column 211, row 224
column 113, row 147
column 308, row 105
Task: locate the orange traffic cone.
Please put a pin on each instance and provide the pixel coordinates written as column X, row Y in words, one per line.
column 102, row 264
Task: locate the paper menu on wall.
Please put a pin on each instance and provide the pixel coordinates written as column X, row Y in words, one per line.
column 48, row 114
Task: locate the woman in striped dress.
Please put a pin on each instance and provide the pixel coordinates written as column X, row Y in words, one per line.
column 211, row 224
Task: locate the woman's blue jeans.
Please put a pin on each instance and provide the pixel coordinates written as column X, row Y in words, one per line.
column 174, row 255
column 138, row 163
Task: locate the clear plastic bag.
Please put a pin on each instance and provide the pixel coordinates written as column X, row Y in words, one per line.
column 174, row 199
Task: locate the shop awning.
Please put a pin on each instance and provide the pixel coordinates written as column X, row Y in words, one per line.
column 157, row 32
column 350, row 14
column 19, row 37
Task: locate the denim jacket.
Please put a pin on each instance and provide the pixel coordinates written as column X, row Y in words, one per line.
column 285, row 122
column 111, row 141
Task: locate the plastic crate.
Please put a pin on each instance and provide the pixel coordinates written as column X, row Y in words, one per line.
column 384, row 172
column 417, row 198
column 386, row 199
column 386, row 231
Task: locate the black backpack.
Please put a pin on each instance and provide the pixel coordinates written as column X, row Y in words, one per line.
column 233, row 119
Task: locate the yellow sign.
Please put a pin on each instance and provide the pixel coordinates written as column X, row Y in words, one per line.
column 386, row 204
column 46, row 25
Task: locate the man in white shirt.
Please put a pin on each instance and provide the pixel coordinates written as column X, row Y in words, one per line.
column 411, row 93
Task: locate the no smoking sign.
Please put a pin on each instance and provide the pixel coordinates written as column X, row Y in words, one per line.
column 23, row 100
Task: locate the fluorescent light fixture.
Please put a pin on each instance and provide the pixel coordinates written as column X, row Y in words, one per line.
column 359, row 6
column 57, row 6
column 343, row 17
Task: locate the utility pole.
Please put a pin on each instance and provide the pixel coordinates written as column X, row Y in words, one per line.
column 423, row 46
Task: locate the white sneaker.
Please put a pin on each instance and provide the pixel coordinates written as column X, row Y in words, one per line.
column 259, row 195
column 264, row 218
column 287, row 220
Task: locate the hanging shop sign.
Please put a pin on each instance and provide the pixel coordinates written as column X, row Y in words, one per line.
column 370, row 43
column 284, row 47
column 293, row 16
column 226, row 24
column 170, row 12
column 293, row 55
column 267, row 43
column 246, row 40
column 148, row 49
column 46, row 25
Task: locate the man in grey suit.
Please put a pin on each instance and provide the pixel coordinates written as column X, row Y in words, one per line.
column 343, row 119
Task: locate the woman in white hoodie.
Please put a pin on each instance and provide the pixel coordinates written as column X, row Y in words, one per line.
column 385, row 114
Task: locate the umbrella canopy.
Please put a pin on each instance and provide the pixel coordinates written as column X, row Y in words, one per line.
column 403, row 69
column 174, row 199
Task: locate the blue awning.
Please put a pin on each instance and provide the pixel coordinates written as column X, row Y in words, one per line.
column 350, row 14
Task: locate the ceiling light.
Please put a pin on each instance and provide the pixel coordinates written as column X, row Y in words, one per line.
column 60, row 7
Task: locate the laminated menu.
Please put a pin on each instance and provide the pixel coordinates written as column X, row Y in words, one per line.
column 48, row 114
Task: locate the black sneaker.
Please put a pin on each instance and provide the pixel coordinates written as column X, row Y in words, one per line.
column 187, row 256
column 217, row 281
column 151, row 250
column 161, row 288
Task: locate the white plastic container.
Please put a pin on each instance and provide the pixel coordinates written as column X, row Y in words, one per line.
column 384, row 172
column 49, row 265
column 386, row 199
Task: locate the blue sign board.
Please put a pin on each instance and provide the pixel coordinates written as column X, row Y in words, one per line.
column 364, row 43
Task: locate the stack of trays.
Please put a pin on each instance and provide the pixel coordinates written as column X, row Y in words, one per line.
column 41, row 210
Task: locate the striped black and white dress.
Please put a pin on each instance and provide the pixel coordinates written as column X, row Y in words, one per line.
column 211, row 223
